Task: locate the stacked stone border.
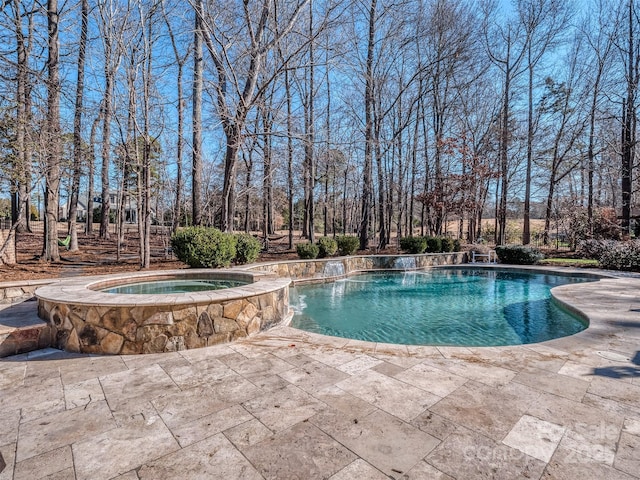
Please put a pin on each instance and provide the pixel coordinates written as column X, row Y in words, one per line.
column 331, row 269
column 86, row 320
column 16, row 292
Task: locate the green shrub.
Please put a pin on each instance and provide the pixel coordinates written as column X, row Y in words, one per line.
column 247, row 248
column 622, row 256
column 413, row 244
column 327, row 247
column 447, row 244
column 204, row 247
column 347, row 245
column 457, row 245
column 518, row 254
column 434, row 244
column 307, row 251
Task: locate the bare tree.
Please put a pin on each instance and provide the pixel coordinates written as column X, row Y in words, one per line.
column 543, row 20
column 180, row 60
column 111, row 30
column 629, row 115
column 506, row 46
column 198, row 66
column 22, row 169
column 54, row 153
column 238, row 65
column 78, row 150
column 600, row 36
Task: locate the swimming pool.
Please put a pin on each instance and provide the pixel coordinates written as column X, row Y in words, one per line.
column 461, row 306
column 158, row 287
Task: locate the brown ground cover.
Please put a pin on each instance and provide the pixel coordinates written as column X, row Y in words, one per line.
column 97, row 256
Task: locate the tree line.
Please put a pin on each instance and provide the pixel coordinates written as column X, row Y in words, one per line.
column 365, row 117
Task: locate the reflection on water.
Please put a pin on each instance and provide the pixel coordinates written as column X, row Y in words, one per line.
column 439, row 307
column 173, row 286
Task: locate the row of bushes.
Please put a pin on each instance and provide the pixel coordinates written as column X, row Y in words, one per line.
column 612, row 254
column 327, row 246
column 518, row 254
column 417, row 245
column 207, row 247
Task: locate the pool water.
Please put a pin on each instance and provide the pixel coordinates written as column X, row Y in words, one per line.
column 464, row 307
column 173, row 286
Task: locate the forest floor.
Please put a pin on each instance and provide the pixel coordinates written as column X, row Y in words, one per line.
column 98, row 256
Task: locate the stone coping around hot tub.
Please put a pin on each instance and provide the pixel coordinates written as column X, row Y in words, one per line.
column 85, row 290
column 21, row 290
column 334, row 268
column 85, row 320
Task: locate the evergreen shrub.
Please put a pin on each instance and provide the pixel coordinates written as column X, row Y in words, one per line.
column 347, row 245
column 204, row 247
column 307, row 251
column 247, row 248
column 413, row 245
column 327, row 247
column 518, row 254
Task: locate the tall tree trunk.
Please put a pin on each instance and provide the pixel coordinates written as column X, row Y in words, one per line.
column 180, row 61
column 54, row 152
column 367, row 173
column 247, row 198
column 78, row 153
column 106, row 139
column 229, row 181
column 526, row 228
column 309, row 146
column 145, row 194
column 501, row 227
column 22, row 186
column 90, row 169
column 629, row 128
column 287, row 87
column 267, row 181
column 198, row 64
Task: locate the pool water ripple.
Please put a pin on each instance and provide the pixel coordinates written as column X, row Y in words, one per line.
column 467, row 307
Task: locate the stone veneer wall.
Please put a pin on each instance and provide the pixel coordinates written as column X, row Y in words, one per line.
column 9, row 255
column 151, row 329
column 302, row 271
column 15, row 292
column 118, row 329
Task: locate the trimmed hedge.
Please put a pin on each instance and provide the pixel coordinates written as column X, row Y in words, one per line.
column 447, row 244
column 416, row 245
column 434, row 244
column 307, row 251
column 204, row 247
column 247, row 248
column 518, row 254
column 347, row 245
column 413, row 245
column 327, row 247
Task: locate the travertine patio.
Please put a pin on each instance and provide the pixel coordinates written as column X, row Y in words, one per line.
column 285, row 404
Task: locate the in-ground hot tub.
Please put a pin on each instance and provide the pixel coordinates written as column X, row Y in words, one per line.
column 86, row 318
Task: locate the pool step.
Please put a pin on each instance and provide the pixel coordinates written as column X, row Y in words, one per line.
column 21, row 330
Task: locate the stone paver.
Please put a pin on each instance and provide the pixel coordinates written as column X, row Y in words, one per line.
column 304, row 448
column 535, row 437
column 289, row 404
